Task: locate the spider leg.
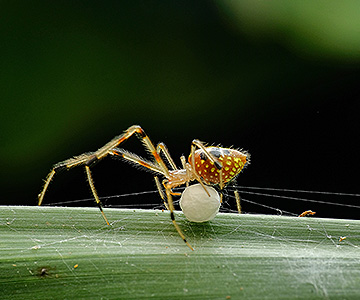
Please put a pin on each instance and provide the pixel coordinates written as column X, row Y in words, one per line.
column 160, row 168
column 161, row 193
column 238, row 199
column 214, row 160
column 184, row 165
column 161, row 147
column 66, row 164
column 137, row 160
column 105, row 150
column 149, row 165
column 196, row 175
column 172, row 215
column 48, row 179
column 219, row 166
column 92, row 186
column 133, row 158
column 88, row 159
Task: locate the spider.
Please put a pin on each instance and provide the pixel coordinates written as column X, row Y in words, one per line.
column 207, row 165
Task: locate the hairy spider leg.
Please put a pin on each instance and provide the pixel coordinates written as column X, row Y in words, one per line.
column 90, row 158
column 238, row 203
column 197, row 143
column 161, row 147
column 200, row 145
column 148, row 164
column 172, row 215
column 161, row 168
column 133, row 158
column 161, row 193
column 184, row 165
column 70, row 163
column 93, row 190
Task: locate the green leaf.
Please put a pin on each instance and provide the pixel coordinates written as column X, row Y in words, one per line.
column 70, row 253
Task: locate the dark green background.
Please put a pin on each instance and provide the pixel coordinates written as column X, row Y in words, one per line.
column 279, row 79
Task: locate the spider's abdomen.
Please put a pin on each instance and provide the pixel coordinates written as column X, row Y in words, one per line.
column 233, row 161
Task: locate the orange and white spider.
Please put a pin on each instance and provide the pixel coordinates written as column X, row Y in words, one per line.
column 208, row 165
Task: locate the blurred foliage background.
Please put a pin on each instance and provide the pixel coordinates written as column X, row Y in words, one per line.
column 277, row 78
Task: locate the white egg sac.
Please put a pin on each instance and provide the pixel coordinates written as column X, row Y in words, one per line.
column 196, row 204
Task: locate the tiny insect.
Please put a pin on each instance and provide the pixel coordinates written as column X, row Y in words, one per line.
column 210, row 166
column 307, row 213
column 342, row 238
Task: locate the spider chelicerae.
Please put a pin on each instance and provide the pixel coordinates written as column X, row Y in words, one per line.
column 207, row 165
